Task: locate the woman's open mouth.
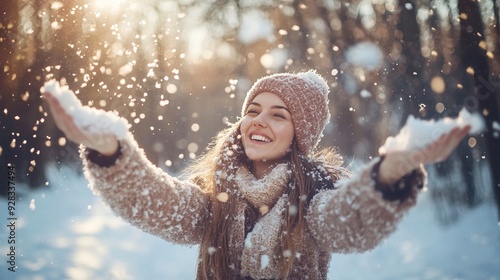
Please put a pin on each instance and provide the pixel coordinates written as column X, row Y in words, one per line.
column 260, row 138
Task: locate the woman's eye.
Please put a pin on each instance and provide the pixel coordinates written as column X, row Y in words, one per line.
column 280, row 116
column 252, row 112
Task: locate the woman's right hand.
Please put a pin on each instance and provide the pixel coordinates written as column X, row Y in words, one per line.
column 104, row 143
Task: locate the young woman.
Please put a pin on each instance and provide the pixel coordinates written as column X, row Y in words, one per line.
column 262, row 203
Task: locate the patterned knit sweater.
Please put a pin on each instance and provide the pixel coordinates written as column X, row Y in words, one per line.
column 353, row 217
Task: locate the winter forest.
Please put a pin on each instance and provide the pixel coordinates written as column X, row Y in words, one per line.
column 179, row 71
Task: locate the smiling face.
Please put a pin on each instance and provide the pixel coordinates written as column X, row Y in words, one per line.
column 267, row 131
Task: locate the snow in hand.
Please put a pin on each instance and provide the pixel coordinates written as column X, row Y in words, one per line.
column 90, row 119
column 418, row 133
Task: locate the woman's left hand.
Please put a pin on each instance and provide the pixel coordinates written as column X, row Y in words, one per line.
column 397, row 164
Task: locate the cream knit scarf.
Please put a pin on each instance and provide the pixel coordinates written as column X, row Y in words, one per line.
column 264, row 191
column 259, row 258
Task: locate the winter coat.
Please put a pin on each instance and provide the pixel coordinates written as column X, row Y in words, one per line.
column 353, row 217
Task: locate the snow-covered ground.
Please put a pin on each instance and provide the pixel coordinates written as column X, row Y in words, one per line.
column 65, row 232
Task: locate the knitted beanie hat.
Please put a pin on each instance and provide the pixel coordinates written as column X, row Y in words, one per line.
column 306, row 96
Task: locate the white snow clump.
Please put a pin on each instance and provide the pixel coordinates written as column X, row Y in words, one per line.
column 255, row 26
column 316, row 79
column 496, row 126
column 365, row 93
column 367, row 55
column 264, row 261
column 90, row 119
column 417, row 133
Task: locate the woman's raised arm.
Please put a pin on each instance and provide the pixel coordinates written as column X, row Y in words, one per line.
column 135, row 189
column 365, row 209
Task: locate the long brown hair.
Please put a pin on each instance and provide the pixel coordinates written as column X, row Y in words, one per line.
column 213, row 172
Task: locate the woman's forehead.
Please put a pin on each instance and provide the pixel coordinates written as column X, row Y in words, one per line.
column 268, row 98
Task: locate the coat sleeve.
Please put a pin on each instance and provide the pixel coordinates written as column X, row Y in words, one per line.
column 148, row 198
column 355, row 216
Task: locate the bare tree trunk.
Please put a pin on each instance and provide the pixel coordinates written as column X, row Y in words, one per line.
column 9, row 16
column 29, row 152
column 348, row 131
column 496, row 12
column 485, row 98
column 410, row 86
column 301, row 40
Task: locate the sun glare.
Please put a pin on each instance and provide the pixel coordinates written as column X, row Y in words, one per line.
column 108, row 6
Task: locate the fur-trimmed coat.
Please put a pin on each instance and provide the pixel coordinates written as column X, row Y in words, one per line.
column 353, row 217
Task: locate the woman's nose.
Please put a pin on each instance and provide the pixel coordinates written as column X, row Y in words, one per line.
column 260, row 120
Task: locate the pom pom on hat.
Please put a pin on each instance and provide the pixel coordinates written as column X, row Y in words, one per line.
column 306, row 96
column 316, row 79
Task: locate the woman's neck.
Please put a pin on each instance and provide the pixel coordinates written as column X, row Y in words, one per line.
column 259, row 169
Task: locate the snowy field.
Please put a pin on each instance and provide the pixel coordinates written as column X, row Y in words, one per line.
column 65, row 232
